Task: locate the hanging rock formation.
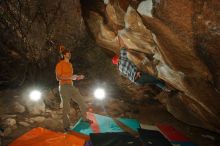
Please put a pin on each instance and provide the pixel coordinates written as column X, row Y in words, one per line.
column 179, row 38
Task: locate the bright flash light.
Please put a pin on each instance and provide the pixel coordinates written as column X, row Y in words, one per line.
column 99, row 94
column 35, row 95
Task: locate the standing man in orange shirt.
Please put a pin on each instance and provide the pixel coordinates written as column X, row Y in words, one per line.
column 65, row 76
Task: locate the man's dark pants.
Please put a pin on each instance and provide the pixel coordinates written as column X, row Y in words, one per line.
column 149, row 79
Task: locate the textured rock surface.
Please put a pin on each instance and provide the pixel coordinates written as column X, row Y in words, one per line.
column 35, row 108
column 10, row 122
column 25, row 124
column 182, row 37
column 30, row 32
column 38, row 119
column 179, row 38
column 18, row 108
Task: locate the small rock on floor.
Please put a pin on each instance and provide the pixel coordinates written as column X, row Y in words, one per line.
column 38, row 119
column 10, row 122
column 25, row 124
column 18, row 108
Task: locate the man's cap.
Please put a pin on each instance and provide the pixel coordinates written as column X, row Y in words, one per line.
column 63, row 51
column 115, row 59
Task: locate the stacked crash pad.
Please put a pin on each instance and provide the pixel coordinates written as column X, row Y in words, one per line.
column 106, row 131
column 101, row 125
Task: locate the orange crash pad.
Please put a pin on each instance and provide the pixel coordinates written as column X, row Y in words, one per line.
column 43, row 137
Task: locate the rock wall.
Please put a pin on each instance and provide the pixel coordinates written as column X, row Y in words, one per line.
column 179, row 38
column 31, row 32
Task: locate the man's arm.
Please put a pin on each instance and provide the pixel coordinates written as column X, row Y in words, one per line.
column 138, row 58
column 74, row 77
column 142, row 62
column 63, row 77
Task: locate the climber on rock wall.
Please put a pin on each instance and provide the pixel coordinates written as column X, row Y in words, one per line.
column 129, row 69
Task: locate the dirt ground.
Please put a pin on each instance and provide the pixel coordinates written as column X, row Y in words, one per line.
column 149, row 111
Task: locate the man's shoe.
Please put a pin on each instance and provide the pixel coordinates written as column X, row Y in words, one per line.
column 66, row 130
column 174, row 92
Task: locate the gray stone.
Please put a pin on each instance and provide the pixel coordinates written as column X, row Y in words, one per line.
column 18, row 108
column 53, row 124
column 3, row 117
column 25, row 124
column 54, row 115
column 29, row 120
column 10, row 122
column 38, row 119
column 36, row 108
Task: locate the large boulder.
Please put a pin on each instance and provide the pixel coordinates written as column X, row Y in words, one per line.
column 38, row 119
column 180, row 43
column 18, row 108
column 52, row 98
column 35, row 108
column 33, row 48
column 10, row 122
